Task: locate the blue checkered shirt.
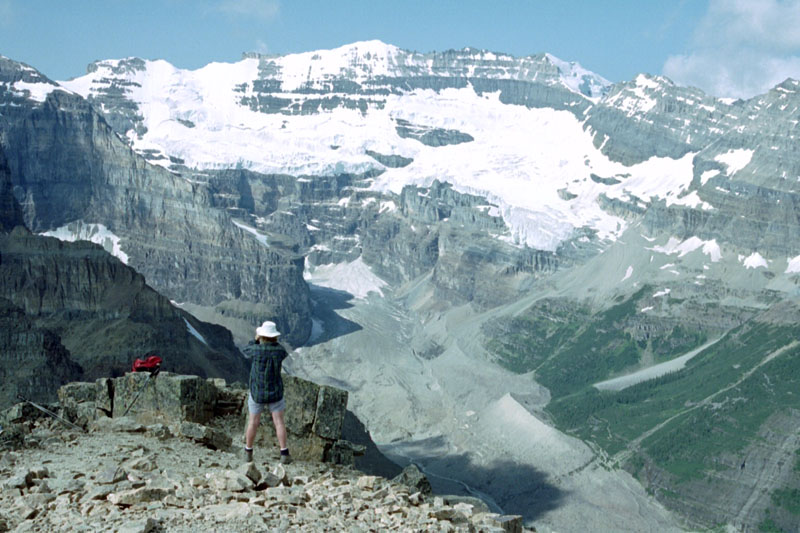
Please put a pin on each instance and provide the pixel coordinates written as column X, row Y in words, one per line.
column 266, row 385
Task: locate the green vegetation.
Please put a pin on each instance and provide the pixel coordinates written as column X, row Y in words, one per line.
column 713, row 420
column 523, row 343
column 788, row 499
column 680, row 340
column 768, row 525
column 570, row 347
column 715, row 405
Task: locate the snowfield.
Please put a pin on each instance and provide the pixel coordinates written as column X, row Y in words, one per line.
column 519, row 160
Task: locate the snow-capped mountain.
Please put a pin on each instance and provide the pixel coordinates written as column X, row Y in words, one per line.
column 460, row 237
column 320, row 113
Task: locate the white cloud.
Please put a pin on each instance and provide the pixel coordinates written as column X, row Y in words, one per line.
column 741, row 48
column 262, row 9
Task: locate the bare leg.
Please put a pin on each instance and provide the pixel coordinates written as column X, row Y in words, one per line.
column 252, row 426
column 280, row 428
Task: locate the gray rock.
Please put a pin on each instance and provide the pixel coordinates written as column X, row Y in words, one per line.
column 412, row 477
column 140, row 495
column 251, row 471
column 231, row 481
column 111, row 475
column 166, row 397
column 331, row 408
column 147, row 525
column 211, row 437
column 125, row 424
column 508, row 523
column 17, row 482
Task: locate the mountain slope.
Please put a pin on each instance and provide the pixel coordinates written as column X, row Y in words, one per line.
column 462, row 211
column 70, row 170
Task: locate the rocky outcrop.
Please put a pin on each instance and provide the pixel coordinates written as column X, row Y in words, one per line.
column 139, row 482
column 207, row 409
column 431, row 136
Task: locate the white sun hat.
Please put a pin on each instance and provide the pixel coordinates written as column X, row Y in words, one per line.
column 268, row 329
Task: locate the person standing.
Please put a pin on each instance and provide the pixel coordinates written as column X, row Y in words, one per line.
column 266, row 387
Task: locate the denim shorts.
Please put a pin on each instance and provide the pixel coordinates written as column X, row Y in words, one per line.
column 258, row 408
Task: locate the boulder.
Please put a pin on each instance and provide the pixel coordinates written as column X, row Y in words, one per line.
column 149, row 525
column 19, row 412
column 124, row 424
column 211, row 437
column 140, row 495
column 344, row 452
column 78, row 402
column 331, row 408
column 230, row 481
column 412, row 477
column 77, row 392
column 505, row 523
column 166, row 397
column 251, row 471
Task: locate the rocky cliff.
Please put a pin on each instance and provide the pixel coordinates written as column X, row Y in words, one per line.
column 178, row 474
column 480, row 236
column 103, row 312
column 69, row 169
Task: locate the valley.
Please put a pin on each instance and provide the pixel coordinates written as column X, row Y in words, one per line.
column 575, row 298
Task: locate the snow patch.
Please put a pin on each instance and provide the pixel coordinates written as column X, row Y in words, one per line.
column 580, row 80
column 755, row 260
column 194, row 332
column 628, row 273
column 662, row 292
column 793, row 266
column 735, row 160
column 387, row 207
column 676, row 246
column 253, row 231
column 96, row 233
column 354, row 277
column 37, row 92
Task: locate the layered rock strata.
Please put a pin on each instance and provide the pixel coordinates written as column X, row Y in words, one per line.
column 104, row 313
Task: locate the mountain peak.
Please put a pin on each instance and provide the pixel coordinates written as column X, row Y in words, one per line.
column 579, row 79
column 24, row 81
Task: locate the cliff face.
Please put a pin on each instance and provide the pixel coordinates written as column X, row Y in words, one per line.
column 10, row 212
column 68, row 166
column 104, row 313
column 510, row 211
column 33, row 362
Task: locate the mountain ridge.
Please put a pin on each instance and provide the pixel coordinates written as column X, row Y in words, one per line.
column 518, row 243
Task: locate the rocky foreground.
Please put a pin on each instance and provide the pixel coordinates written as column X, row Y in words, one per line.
column 123, row 475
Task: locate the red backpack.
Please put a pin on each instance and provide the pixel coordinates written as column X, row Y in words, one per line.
column 147, row 365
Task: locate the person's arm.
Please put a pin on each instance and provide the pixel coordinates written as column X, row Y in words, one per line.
column 250, row 350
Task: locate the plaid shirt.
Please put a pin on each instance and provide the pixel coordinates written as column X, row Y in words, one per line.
column 266, row 385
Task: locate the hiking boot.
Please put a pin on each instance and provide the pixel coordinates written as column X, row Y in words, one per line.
column 286, row 459
column 248, row 456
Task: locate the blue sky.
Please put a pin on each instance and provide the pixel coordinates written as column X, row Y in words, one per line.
column 726, row 47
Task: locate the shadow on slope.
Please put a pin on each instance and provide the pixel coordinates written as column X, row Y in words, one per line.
column 328, row 324
column 505, row 485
